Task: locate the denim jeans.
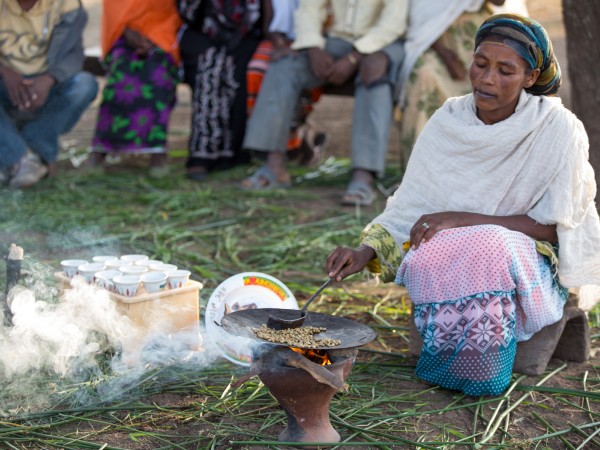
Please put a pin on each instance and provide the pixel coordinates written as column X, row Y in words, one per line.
column 269, row 125
column 39, row 131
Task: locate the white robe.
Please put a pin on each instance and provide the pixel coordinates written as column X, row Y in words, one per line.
column 535, row 162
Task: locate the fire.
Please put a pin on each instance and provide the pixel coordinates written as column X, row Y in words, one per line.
column 317, row 356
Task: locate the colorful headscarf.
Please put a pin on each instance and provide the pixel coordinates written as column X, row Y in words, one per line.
column 531, row 42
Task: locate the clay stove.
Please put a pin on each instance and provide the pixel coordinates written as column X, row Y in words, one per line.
column 303, row 381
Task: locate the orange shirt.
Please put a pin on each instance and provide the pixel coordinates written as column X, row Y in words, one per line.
column 158, row 20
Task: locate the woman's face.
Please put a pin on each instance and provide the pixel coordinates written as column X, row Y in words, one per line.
column 498, row 75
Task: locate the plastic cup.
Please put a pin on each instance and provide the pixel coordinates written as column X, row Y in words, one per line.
column 178, row 278
column 133, row 270
column 161, row 267
column 104, row 279
column 115, row 264
column 126, row 285
column 104, row 258
column 154, row 281
column 148, row 262
column 70, row 266
column 134, row 258
column 88, row 270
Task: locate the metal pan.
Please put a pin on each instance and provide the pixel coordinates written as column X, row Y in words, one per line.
column 349, row 332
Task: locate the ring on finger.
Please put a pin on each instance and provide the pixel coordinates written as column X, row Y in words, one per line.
column 425, row 225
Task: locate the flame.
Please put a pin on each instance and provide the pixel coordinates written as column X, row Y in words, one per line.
column 317, row 356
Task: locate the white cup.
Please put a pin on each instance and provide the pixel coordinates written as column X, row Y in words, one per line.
column 134, row 258
column 161, row 267
column 148, row 262
column 178, row 278
column 70, row 266
column 154, row 281
column 133, row 270
column 104, row 279
column 127, row 285
column 114, row 264
column 88, row 270
column 104, row 258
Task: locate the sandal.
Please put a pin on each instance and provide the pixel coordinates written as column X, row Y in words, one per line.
column 358, row 193
column 264, row 179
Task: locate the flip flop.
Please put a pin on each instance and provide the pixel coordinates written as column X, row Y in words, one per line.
column 264, row 179
column 358, row 193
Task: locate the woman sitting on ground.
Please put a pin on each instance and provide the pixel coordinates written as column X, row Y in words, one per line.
column 495, row 217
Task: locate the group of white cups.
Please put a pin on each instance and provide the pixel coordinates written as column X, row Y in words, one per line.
column 127, row 273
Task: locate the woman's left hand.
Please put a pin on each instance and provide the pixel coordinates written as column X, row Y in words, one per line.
column 429, row 224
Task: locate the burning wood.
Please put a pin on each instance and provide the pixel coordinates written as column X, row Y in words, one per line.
column 320, row 357
column 13, row 271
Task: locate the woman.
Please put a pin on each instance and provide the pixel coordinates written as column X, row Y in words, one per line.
column 439, row 49
column 495, row 216
column 217, row 42
column 139, row 40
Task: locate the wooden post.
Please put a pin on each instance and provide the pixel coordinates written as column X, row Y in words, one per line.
column 13, row 272
column 582, row 24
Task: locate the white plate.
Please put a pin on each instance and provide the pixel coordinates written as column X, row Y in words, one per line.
column 246, row 290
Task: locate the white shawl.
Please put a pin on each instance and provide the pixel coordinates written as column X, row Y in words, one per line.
column 427, row 21
column 535, row 162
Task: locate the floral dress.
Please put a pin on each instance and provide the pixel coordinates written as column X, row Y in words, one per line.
column 137, row 101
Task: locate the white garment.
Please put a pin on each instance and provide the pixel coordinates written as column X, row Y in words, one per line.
column 283, row 17
column 512, row 6
column 535, row 162
column 427, row 21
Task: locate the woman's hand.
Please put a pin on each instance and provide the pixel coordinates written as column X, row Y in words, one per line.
column 345, row 261
column 141, row 44
column 429, row 224
column 454, row 65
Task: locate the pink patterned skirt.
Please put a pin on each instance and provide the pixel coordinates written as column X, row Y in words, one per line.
column 477, row 291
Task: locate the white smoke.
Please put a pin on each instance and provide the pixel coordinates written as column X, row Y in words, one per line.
column 80, row 338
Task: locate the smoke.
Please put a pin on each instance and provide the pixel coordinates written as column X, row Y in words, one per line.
column 81, row 348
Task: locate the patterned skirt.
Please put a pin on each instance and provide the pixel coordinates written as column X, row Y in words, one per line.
column 137, row 101
column 477, row 291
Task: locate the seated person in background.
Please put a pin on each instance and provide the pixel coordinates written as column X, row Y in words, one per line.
column 439, row 49
column 217, row 41
column 495, row 216
column 364, row 43
column 42, row 89
column 304, row 143
column 139, row 41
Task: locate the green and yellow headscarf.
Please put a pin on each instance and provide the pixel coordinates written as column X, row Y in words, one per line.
column 531, row 42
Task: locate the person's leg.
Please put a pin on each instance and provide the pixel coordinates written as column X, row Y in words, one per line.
column 373, row 106
column 12, row 146
column 269, row 124
column 65, row 105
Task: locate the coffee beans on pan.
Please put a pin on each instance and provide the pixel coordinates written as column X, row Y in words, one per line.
column 302, row 337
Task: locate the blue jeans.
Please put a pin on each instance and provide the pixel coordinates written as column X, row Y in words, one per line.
column 39, row 131
column 269, row 125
